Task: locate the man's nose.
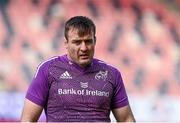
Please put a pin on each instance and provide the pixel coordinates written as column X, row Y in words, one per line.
column 83, row 46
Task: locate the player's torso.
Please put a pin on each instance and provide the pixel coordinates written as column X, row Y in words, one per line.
column 79, row 96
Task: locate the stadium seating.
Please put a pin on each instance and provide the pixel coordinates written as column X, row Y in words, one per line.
column 138, row 33
column 140, row 37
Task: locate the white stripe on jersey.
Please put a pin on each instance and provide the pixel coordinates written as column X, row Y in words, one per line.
column 42, row 64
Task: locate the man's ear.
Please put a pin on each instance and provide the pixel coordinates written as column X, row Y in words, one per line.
column 65, row 43
column 94, row 39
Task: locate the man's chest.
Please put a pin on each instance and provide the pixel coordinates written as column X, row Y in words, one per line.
column 92, row 89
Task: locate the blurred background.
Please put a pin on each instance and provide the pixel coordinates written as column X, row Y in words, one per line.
column 139, row 37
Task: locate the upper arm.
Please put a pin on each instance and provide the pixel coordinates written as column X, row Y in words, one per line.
column 123, row 114
column 36, row 96
column 120, row 104
column 31, row 112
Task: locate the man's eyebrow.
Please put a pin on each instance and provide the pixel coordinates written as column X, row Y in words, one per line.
column 77, row 40
column 88, row 39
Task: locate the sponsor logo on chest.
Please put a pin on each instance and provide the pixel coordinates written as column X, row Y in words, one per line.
column 84, row 90
column 65, row 75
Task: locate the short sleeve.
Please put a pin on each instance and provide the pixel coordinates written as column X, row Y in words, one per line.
column 120, row 97
column 38, row 89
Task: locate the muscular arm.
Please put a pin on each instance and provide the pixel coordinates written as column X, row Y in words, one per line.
column 31, row 112
column 123, row 114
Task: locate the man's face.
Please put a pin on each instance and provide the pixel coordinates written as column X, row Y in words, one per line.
column 80, row 49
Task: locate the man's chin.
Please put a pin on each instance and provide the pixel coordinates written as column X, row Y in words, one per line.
column 84, row 62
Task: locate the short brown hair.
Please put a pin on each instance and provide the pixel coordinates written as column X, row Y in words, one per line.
column 82, row 23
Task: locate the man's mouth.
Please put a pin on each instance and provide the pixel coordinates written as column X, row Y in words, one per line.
column 84, row 56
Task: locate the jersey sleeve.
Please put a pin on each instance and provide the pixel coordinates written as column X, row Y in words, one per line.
column 120, row 97
column 38, row 89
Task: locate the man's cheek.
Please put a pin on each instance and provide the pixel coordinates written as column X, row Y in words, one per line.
column 74, row 53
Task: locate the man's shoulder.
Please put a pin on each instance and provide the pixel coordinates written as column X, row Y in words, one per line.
column 52, row 61
column 48, row 61
column 105, row 65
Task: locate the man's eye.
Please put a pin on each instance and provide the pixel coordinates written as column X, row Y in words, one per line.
column 89, row 41
column 76, row 42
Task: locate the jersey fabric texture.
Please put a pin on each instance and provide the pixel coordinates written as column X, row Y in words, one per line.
column 69, row 93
